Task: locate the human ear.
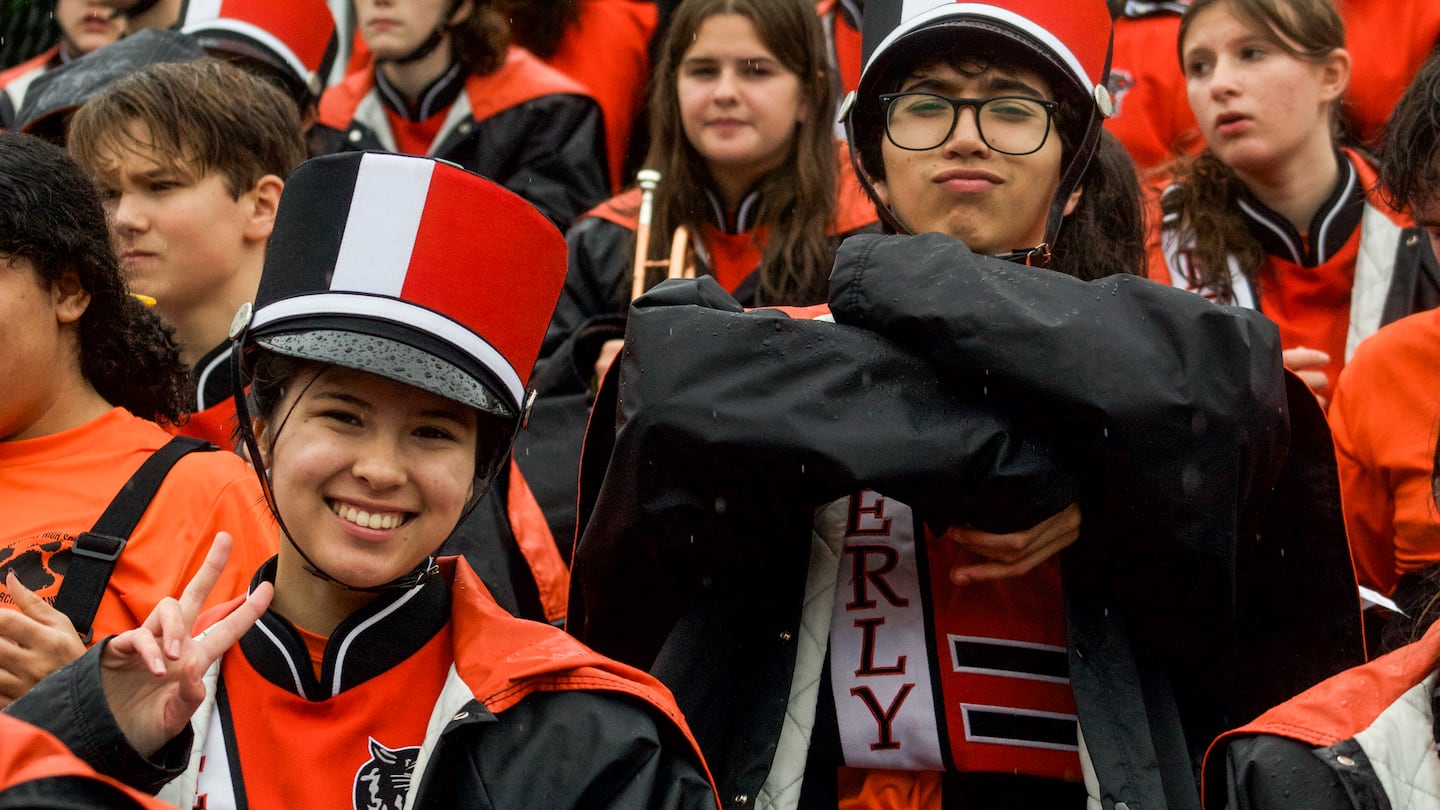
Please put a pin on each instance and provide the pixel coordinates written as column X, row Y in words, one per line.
column 802, row 107
column 264, row 200
column 461, row 12
column 69, row 297
column 1335, row 75
column 882, row 191
column 264, row 442
column 1074, row 200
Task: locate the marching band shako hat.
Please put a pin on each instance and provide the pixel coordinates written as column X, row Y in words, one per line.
column 1071, row 37
column 410, row 268
column 297, row 39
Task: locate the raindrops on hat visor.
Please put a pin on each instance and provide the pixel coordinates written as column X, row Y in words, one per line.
column 391, row 359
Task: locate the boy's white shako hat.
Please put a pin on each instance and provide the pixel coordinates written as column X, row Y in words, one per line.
column 413, row 269
column 1074, row 34
column 1072, row 39
column 297, row 39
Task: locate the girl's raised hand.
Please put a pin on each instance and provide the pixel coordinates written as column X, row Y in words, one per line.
column 152, row 674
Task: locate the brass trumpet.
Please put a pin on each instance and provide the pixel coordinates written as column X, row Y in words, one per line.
column 680, row 263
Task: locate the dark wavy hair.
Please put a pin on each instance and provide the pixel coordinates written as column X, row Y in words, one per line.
column 482, row 38
column 51, row 216
column 1203, row 199
column 798, row 199
column 1105, row 234
column 539, row 25
column 1410, row 150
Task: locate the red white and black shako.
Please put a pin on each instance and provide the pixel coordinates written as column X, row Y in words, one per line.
column 297, row 39
column 1074, row 35
column 414, row 269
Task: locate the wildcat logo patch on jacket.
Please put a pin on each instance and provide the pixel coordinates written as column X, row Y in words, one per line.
column 381, row 783
column 40, row 563
column 926, row 675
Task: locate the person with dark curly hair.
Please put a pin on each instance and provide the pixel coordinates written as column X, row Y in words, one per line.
column 446, row 81
column 84, row 367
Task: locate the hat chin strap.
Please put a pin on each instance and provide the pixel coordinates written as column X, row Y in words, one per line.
column 1039, row 256
column 887, row 215
column 419, row 574
column 424, row 49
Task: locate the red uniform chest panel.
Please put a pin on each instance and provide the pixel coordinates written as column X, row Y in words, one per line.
column 928, row 676
column 734, row 256
column 354, row 750
column 1311, row 305
column 415, row 137
column 1004, row 671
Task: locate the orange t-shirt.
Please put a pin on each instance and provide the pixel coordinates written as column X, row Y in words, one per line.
column 1386, row 418
column 54, row 487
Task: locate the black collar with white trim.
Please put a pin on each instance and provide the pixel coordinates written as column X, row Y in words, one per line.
column 437, row 96
column 1332, row 226
column 213, row 381
column 367, row 644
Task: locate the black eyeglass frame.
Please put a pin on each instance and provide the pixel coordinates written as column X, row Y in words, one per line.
column 887, row 100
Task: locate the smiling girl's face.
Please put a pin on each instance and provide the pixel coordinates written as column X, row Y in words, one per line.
column 369, row 475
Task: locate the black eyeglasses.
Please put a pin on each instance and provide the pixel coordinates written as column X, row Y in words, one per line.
column 1011, row 125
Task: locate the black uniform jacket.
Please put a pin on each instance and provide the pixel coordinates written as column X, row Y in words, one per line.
column 525, row 126
column 538, row 720
column 1211, row 577
column 1415, row 286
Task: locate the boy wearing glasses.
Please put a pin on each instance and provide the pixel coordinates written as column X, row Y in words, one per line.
column 968, row 151
column 858, row 596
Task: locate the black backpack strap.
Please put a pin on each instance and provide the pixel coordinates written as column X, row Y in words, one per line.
column 93, row 557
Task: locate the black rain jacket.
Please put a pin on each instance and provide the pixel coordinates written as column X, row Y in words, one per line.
column 1211, row 578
